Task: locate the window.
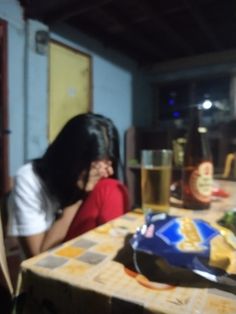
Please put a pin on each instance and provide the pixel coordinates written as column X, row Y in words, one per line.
column 174, row 101
column 176, row 98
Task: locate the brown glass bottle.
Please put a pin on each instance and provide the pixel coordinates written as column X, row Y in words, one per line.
column 198, row 168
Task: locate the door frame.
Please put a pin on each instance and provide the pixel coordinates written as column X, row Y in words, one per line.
column 4, row 131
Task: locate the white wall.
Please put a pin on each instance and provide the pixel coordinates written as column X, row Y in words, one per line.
column 36, row 102
column 11, row 12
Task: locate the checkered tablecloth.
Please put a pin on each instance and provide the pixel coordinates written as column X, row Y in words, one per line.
column 94, row 274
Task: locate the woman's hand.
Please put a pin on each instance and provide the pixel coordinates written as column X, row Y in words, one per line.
column 98, row 170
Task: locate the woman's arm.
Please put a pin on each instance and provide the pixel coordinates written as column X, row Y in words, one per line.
column 39, row 242
column 35, row 244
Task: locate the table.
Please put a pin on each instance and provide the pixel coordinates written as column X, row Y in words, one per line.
column 92, row 274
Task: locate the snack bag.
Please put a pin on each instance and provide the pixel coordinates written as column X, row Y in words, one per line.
column 208, row 250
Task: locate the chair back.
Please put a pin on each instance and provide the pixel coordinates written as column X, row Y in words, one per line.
column 230, row 166
column 178, row 146
column 3, row 259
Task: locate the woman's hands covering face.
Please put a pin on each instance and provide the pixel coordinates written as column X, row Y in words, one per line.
column 98, row 170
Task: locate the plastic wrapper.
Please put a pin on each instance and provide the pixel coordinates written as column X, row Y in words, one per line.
column 181, row 244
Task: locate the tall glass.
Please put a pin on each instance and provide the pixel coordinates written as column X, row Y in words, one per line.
column 156, row 170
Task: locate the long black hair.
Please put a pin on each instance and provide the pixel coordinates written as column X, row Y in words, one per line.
column 84, row 138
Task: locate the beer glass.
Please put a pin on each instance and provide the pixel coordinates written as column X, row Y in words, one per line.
column 156, row 169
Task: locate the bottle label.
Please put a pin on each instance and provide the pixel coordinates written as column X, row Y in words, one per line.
column 201, row 181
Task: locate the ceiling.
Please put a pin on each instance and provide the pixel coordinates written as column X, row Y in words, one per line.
column 149, row 31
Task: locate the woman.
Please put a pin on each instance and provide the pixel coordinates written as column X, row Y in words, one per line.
column 71, row 189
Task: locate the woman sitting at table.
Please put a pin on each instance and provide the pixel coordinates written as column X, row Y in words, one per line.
column 71, row 189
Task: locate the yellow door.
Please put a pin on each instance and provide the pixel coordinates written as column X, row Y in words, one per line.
column 69, row 86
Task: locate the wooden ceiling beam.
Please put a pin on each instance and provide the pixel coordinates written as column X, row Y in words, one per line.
column 202, row 24
column 161, row 24
column 121, row 25
column 74, row 9
column 135, row 47
column 176, row 38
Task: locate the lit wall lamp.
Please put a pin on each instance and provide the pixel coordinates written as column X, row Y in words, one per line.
column 41, row 42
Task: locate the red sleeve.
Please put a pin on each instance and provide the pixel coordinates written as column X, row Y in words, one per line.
column 115, row 202
column 107, row 201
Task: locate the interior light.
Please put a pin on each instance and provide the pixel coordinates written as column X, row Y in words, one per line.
column 207, row 104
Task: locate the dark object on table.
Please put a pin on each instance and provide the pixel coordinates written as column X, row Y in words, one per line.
column 158, row 269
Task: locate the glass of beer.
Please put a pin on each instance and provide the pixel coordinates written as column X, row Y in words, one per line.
column 156, row 170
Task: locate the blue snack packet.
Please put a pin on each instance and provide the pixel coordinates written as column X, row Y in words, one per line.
column 208, row 250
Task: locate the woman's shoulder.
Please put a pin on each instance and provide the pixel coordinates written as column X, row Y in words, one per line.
column 110, row 184
column 26, row 169
column 25, row 176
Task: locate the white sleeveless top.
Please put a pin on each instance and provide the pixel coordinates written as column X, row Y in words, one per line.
column 30, row 208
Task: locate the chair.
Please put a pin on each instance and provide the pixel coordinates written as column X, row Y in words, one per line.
column 230, row 166
column 6, row 287
column 178, row 145
column 3, row 259
column 10, row 296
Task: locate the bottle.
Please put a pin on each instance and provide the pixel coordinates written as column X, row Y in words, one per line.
column 197, row 177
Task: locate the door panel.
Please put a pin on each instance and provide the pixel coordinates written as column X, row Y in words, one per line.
column 69, row 86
